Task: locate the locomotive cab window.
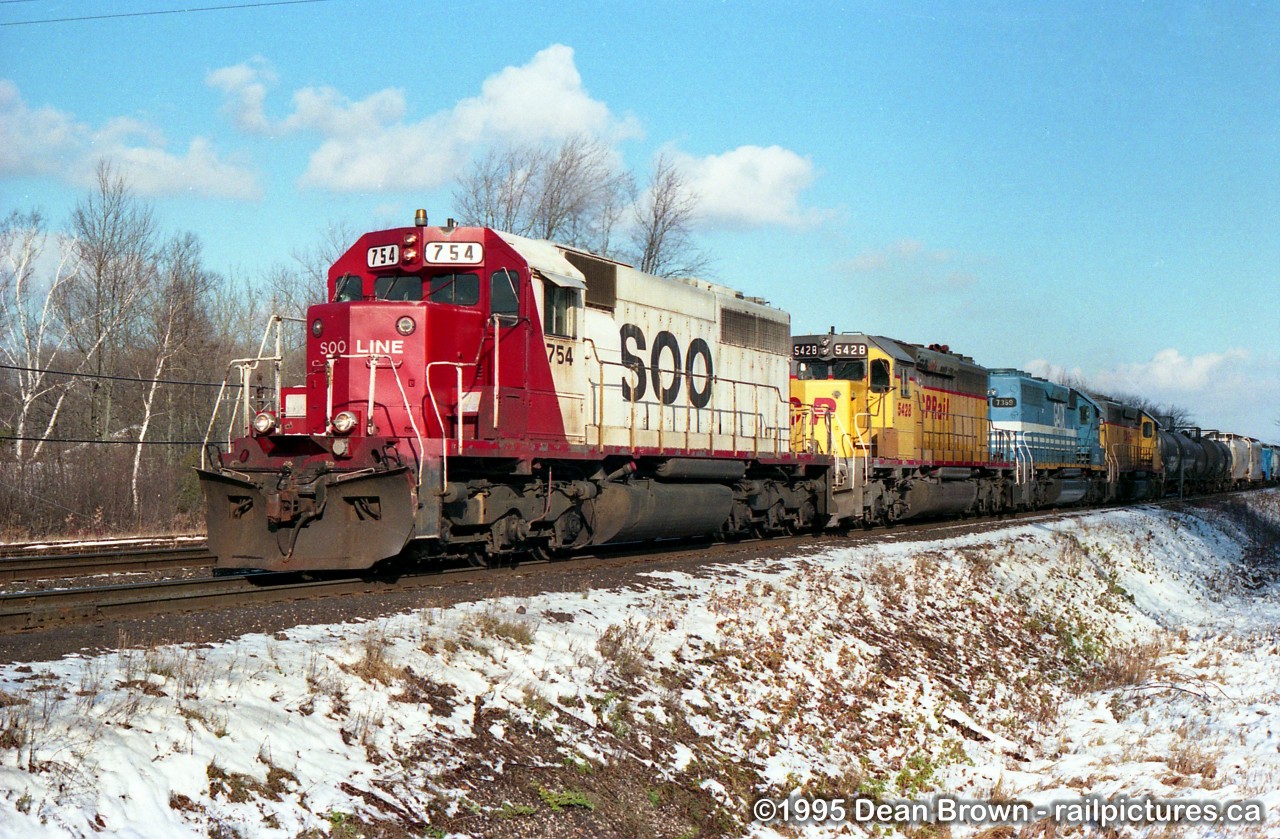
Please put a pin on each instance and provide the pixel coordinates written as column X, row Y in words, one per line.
column 849, row 371
column 455, row 289
column 349, row 287
column 558, row 307
column 880, row 380
column 813, row 371
column 1146, row 429
column 398, row 287
column 504, row 295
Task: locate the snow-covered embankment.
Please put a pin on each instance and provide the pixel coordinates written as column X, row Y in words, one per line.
column 1126, row 652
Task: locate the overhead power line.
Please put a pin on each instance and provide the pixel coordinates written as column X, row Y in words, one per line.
column 160, row 12
column 4, row 439
column 115, row 378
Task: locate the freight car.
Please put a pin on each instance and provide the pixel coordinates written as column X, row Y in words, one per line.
column 1246, row 457
column 1193, row 461
column 473, row 392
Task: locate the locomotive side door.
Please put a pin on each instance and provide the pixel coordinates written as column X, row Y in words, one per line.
column 563, row 416
column 505, row 353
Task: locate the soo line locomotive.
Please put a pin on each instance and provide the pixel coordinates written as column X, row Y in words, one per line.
column 469, row 392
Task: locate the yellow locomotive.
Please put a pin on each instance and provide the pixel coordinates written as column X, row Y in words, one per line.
column 907, row 425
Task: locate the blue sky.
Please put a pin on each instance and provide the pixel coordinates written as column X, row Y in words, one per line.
column 1095, row 187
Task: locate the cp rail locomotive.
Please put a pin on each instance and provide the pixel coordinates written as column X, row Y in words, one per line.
column 469, row 392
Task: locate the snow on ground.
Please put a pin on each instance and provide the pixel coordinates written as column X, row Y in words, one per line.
column 1132, row 652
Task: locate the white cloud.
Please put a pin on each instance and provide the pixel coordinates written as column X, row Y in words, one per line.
column 34, row 141
column 1232, row 390
column 46, row 141
column 911, row 262
column 326, row 111
column 1169, row 371
column 246, row 88
column 751, row 186
column 368, row 146
column 154, row 171
column 541, row 100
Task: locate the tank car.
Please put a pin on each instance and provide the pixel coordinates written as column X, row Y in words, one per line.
column 1193, row 462
column 905, row 425
column 1050, row 431
column 1246, row 457
column 471, row 392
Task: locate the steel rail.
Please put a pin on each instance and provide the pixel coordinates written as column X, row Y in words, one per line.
column 53, row 566
column 45, row 609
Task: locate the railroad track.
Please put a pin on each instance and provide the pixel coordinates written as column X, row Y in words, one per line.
column 45, row 609
column 25, row 611
column 53, row 566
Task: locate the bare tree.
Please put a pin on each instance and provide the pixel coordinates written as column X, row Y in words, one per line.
column 573, row 194
column 581, row 195
column 29, row 334
column 312, row 269
column 173, row 320
column 1168, row 414
column 114, row 237
column 498, row 190
column 662, row 220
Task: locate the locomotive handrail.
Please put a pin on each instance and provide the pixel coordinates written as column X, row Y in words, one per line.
column 444, row 440
column 714, row 380
column 865, row 446
column 247, row 366
column 374, row 360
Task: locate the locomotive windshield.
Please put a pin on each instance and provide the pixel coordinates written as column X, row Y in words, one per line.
column 457, row 289
column 348, row 288
column 847, row 371
column 398, row 287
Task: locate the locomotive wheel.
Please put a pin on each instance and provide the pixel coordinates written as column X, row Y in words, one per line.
column 544, row 552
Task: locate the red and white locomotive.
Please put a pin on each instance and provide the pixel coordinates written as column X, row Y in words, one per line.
column 471, row 392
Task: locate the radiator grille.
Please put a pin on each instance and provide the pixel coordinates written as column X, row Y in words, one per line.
column 601, row 278
column 744, row 329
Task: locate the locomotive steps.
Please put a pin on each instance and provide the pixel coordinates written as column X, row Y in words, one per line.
column 1119, row 652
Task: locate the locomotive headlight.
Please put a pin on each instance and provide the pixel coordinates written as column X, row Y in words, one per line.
column 409, row 255
column 405, row 325
column 264, row 423
column 344, row 422
column 317, row 327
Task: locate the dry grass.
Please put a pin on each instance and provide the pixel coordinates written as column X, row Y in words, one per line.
column 1190, row 757
column 492, row 625
column 374, row 665
column 1128, row 665
column 628, row 646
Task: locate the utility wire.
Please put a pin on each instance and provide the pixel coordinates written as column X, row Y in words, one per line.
column 160, row 12
column 114, row 378
column 107, row 442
